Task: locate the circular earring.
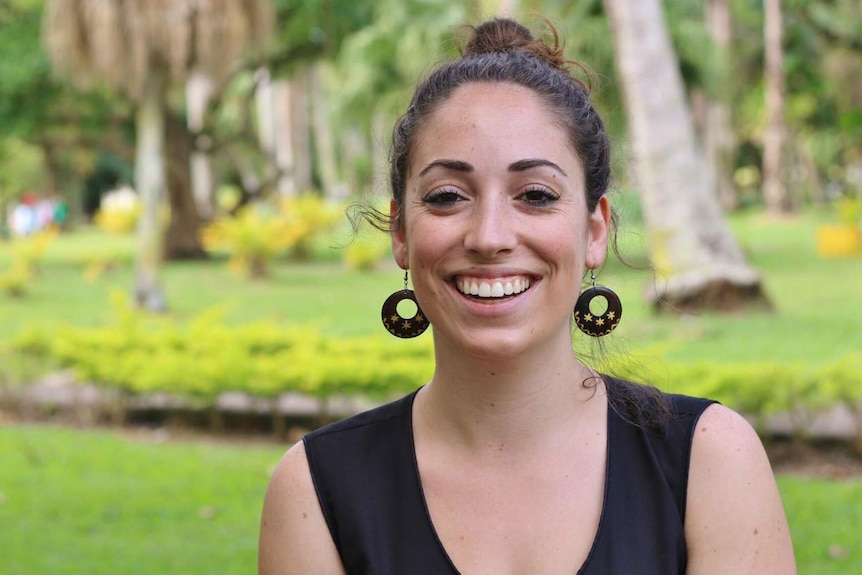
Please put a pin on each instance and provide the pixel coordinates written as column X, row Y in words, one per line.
column 398, row 325
column 597, row 326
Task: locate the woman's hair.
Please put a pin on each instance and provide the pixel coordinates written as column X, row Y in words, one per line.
column 502, row 50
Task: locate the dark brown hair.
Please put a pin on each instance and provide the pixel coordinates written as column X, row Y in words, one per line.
column 502, row 50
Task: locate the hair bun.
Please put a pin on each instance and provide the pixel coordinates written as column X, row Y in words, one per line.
column 506, row 35
column 498, row 35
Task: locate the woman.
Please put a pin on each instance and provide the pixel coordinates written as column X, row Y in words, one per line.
column 516, row 458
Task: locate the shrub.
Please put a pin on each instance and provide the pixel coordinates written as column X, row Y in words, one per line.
column 118, row 212
column 27, row 252
column 253, row 238
column 366, row 250
column 315, row 216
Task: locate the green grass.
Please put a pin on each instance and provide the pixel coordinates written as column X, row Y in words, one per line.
column 341, row 300
column 94, row 502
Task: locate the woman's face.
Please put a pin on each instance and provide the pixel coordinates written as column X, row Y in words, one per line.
column 494, row 225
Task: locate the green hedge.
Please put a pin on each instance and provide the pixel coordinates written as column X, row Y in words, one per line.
column 206, row 358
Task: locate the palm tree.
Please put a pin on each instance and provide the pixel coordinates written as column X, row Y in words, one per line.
column 775, row 192
column 696, row 258
column 143, row 48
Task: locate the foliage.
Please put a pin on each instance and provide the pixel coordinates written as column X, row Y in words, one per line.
column 207, row 357
column 315, row 215
column 367, row 250
column 26, row 253
column 254, row 238
column 849, row 210
column 119, row 212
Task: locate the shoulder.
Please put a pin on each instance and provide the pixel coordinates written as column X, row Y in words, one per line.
column 734, row 518
column 385, row 413
column 294, row 538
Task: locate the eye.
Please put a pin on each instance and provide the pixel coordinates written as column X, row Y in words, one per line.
column 444, row 197
column 538, row 196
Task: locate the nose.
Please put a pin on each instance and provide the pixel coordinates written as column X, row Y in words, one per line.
column 491, row 228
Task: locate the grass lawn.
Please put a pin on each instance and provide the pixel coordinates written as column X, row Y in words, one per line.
column 97, row 502
column 91, row 502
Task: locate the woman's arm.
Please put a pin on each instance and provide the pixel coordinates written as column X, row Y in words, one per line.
column 734, row 520
column 294, row 538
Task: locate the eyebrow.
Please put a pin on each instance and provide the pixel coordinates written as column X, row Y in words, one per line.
column 519, row 166
column 455, row 165
column 523, row 165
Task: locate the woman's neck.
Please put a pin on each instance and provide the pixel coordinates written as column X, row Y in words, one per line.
column 477, row 402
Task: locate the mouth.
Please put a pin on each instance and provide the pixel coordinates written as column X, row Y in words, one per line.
column 492, row 288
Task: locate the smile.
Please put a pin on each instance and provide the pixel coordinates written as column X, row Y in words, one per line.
column 492, row 288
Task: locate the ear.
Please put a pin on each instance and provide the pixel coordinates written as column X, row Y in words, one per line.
column 396, row 235
column 598, row 230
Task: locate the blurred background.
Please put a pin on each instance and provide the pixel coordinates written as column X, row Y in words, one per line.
column 182, row 294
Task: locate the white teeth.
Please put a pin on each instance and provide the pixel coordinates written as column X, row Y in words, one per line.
column 492, row 288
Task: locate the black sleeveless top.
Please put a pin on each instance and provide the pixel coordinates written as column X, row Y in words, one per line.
column 367, row 481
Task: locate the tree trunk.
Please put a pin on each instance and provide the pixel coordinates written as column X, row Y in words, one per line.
column 300, row 130
column 697, row 261
column 199, row 89
column 182, row 238
column 719, row 139
column 150, row 184
column 775, row 192
column 283, row 114
column 324, row 144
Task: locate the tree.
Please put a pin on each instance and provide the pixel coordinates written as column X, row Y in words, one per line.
column 719, row 144
column 142, row 48
column 775, row 190
column 697, row 261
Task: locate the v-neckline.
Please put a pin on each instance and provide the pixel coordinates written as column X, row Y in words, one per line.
column 582, row 570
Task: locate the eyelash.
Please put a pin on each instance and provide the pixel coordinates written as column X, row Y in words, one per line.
column 545, row 196
column 443, row 197
column 535, row 196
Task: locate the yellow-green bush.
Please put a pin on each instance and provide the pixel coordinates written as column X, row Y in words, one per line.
column 207, row 357
column 367, row 250
column 316, row 215
column 253, row 238
column 26, row 252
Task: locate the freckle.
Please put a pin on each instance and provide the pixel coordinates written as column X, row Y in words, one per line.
column 493, row 404
column 703, row 428
column 304, row 515
column 501, row 447
column 493, row 373
column 755, row 531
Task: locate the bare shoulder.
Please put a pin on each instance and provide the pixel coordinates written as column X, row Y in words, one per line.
column 735, row 522
column 294, row 538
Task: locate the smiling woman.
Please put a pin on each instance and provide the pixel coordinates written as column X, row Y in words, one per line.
column 516, row 457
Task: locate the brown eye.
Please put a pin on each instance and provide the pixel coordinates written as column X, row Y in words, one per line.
column 443, row 198
column 539, row 197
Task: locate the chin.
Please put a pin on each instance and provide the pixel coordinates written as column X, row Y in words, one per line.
column 491, row 346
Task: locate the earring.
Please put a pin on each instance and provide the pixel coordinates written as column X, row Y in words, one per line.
column 396, row 324
column 604, row 324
